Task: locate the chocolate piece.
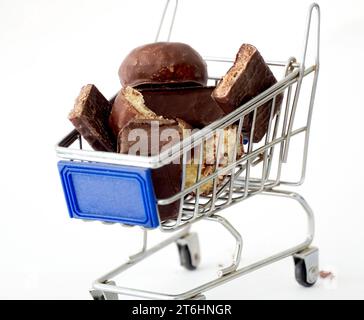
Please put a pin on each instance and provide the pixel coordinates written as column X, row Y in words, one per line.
column 193, row 105
column 248, row 77
column 128, row 105
column 206, row 170
column 225, row 156
column 163, row 63
column 146, row 137
column 90, row 117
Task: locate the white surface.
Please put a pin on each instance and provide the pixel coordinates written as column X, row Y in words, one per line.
column 49, row 49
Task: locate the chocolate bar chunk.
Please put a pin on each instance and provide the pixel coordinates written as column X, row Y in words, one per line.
column 128, row 105
column 225, row 157
column 90, row 117
column 147, row 137
column 194, row 104
column 248, row 77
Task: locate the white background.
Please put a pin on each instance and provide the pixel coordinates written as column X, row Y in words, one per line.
column 49, row 49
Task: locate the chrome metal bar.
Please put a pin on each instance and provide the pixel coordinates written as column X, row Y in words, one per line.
column 285, row 119
column 313, row 7
column 271, row 151
column 68, row 139
column 198, row 177
column 163, row 18
column 229, row 60
column 297, row 197
column 238, row 246
column 222, row 189
column 267, row 139
column 100, row 283
column 144, row 247
column 220, row 140
column 227, row 168
column 183, row 183
column 250, row 149
column 308, row 124
column 80, row 141
column 237, row 143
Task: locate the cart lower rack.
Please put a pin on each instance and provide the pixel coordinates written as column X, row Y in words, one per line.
column 257, row 172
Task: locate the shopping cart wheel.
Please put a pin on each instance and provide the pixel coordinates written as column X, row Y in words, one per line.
column 307, row 266
column 189, row 251
column 102, row 295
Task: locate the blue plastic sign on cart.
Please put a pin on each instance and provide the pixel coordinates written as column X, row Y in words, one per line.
column 106, row 192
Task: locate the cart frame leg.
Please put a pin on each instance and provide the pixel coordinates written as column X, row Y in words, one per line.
column 238, row 247
column 104, row 285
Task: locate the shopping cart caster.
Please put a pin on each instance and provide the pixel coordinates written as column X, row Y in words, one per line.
column 102, row 295
column 189, row 251
column 307, row 266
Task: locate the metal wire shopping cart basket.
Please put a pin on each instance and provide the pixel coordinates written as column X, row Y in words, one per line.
column 115, row 177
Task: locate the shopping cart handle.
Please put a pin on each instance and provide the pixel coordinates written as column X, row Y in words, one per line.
column 313, row 7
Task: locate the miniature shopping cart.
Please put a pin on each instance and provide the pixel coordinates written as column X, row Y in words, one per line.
column 96, row 184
